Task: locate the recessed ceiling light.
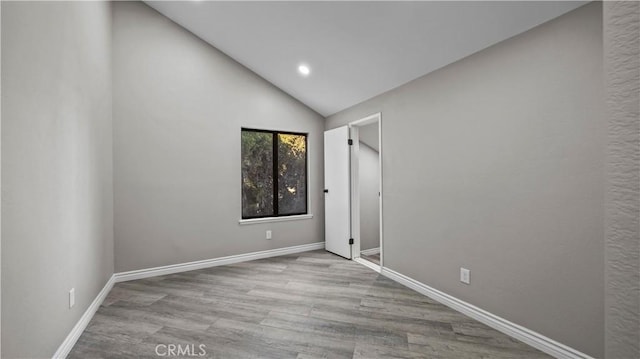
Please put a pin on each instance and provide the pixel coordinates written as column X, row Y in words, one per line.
column 304, row 70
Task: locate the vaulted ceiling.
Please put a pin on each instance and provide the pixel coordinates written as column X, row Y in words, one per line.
column 355, row 50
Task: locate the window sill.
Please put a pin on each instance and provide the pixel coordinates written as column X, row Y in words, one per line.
column 274, row 219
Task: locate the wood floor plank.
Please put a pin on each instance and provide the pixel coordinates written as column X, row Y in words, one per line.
column 287, row 339
column 306, row 306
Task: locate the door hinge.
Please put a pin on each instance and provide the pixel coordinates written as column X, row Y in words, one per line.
column 350, row 142
column 350, row 240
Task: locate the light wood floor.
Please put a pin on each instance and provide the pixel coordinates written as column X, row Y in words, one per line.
column 308, row 305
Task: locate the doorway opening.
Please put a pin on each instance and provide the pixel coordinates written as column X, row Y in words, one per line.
column 366, row 191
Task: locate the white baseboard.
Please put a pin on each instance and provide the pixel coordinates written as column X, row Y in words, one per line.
column 368, row 252
column 368, row 264
column 207, row 263
column 530, row 337
column 523, row 334
column 81, row 325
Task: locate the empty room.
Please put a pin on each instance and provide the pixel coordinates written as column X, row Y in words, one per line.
column 320, row 179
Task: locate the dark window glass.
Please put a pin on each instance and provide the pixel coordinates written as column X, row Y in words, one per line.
column 274, row 173
column 292, row 174
column 257, row 174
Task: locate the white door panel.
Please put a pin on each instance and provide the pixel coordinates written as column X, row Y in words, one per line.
column 337, row 195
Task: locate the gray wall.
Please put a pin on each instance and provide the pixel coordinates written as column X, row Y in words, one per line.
column 496, row 163
column 369, row 200
column 622, row 280
column 0, row 184
column 56, row 169
column 179, row 105
column 369, row 135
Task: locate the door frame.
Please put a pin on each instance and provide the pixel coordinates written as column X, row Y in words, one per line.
column 355, row 187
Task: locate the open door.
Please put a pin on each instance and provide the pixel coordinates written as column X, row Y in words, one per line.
column 337, row 219
column 366, row 191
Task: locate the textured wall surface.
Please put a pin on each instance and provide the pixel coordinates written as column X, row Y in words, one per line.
column 496, row 163
column 178, row 108
column 57, row 190
column 622, row 276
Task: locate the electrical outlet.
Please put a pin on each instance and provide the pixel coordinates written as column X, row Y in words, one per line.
column 465, row 276
column 268, row 236
column 72, row 298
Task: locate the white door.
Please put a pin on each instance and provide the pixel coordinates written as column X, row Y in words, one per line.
column 336, row 187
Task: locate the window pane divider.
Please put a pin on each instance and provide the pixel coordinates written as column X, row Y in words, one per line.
column 276, row 184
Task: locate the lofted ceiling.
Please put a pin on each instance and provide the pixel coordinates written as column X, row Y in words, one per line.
column 355, row 50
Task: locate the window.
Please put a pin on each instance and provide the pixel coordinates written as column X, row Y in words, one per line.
column 274, row 173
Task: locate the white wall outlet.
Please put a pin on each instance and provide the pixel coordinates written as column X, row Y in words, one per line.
column 465, row 275
column 72, row 298
column 268, row 236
